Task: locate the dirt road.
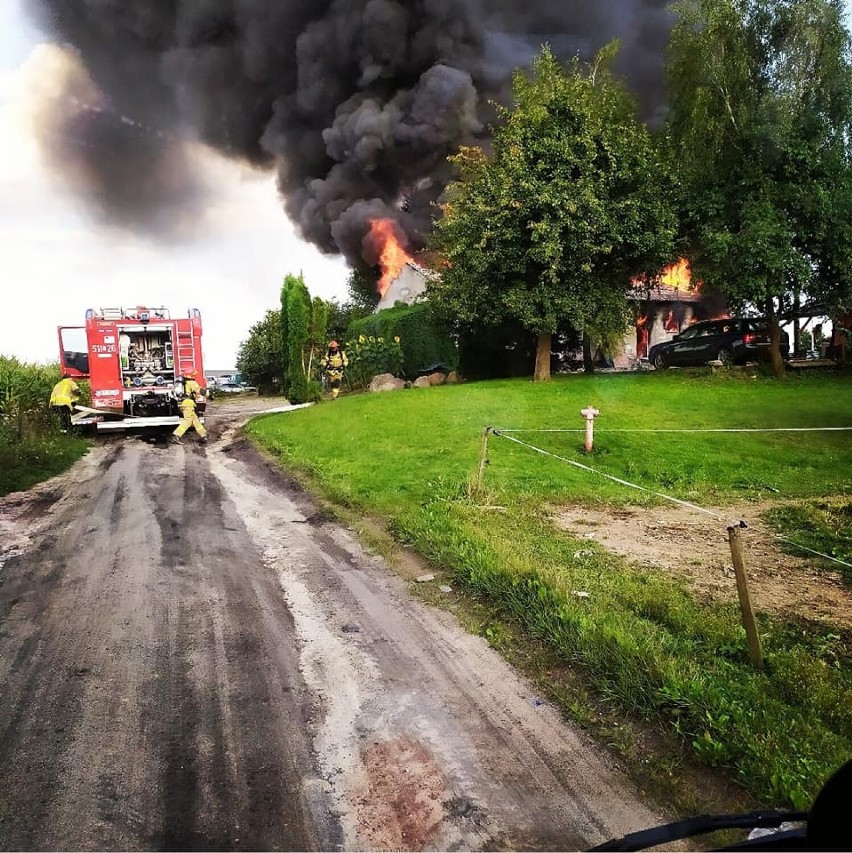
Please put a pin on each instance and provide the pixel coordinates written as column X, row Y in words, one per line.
column 192, row 657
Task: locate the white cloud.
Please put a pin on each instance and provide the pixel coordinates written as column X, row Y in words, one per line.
column 55, row 263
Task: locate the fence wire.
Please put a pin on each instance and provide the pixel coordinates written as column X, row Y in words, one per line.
column 503, row 433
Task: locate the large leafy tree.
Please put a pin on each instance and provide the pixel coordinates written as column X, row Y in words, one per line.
column 259, row 355
column 571, row 203
column 760, row 120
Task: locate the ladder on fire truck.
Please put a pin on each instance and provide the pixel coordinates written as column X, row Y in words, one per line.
column 185, row 352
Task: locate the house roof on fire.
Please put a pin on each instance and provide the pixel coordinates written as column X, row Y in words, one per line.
column 663, row 293
column 409, row 285
column 424, row 271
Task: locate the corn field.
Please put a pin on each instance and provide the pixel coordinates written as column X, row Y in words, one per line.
column 25, row 399
column 32, row 448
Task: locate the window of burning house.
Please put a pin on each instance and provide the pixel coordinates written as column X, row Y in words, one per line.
column 670, row 321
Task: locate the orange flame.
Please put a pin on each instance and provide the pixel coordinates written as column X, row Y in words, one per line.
column 643, row 336
column 678, row 275
column 387, row 244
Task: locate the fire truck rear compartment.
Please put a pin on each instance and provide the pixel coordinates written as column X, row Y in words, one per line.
column 135, row 360
column 147, row 371
column 147, row 356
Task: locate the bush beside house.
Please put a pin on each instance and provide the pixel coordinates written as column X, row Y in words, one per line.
column 425, row 341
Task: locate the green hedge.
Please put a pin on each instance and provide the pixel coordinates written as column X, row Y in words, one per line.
column 425, row 341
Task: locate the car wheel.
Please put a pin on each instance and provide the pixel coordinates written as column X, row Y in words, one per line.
column 725, row 356
column 660, row 362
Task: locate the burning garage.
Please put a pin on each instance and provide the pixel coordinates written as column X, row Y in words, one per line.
column 662, row 309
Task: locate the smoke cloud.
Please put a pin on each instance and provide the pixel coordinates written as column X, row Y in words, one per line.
column 355, row 104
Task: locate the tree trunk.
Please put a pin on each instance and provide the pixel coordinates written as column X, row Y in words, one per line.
column 542, row 357
column 588, row 361
column 797, row 331
column 774, row 340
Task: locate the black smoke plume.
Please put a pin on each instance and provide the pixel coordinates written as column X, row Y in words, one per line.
column 355, row 103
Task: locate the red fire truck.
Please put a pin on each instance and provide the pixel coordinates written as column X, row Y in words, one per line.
column 135, row 360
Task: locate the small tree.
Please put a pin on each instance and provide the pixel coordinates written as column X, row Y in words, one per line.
column 284, row 334
column 298, row 306
column 362, row 287
column 340, row 317
column 316, row 344
column 259, row 356
column 573, row 202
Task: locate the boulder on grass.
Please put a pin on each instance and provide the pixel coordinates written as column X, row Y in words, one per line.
column 453, row 378
column 421, row 382
column 386, row 382
column 437, row 378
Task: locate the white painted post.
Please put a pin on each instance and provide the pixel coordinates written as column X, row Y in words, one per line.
column 589, row 414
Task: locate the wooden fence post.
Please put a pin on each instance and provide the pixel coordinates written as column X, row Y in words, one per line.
column 755, row 649
column 483, row 458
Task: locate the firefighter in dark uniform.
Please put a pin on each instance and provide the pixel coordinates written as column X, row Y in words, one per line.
column 334, row 362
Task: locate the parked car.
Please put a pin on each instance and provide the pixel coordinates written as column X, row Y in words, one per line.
column 234, row 388
column 730, row 341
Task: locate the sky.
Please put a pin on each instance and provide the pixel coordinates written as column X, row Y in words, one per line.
column 55, row 262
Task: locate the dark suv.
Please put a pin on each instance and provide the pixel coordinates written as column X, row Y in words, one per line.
column 729, row 341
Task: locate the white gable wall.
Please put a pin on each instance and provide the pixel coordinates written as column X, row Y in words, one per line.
column 406, row 287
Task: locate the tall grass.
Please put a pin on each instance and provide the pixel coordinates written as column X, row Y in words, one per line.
column 31, row 446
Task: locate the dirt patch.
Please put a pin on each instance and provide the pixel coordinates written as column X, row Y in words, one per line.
column 403, row 806
column 693, row 546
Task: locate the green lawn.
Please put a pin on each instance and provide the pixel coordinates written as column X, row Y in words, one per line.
column 643, row 641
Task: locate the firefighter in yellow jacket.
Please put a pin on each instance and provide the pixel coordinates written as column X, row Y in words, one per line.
column 334, row 362
column 190, row 385
column 65, row 394
column 192, row 392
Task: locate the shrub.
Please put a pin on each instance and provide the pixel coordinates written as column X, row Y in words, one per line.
column 425, row 341
column 368, row 356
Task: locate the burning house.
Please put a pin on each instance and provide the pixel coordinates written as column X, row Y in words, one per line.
column 402, row 278
column 408, row 285
column 661, row 312
column 662, row 309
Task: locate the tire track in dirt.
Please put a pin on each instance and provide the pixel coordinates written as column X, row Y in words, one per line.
column 193, row 656
column 426, row 738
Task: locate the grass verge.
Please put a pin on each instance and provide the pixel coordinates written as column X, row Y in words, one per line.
column 25, row 463
column 647, row 647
